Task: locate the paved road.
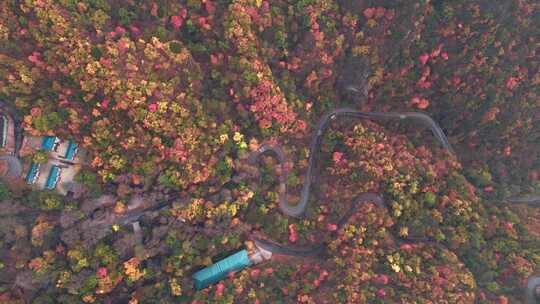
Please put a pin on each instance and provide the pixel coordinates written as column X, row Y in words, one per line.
column 532, row 200
column 533, row 290
column 298, row 209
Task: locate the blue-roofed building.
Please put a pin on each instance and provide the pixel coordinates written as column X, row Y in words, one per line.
column 48, row 143
column 33, row 173
column 54, row 177
column 64, row 161
column 71, row 151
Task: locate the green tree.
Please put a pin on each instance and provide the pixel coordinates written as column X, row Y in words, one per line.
column 40, row 157
column 90, row 180
column 46, row 200
column 4, row 192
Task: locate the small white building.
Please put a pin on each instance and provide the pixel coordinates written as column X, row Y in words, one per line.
column 10, row 165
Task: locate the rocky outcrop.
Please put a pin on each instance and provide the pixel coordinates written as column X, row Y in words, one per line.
column 99, row 215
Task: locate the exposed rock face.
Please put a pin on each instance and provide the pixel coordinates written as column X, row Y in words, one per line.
column 100, row 216
column 70, row 217
column 103, row 201
column 352, row 84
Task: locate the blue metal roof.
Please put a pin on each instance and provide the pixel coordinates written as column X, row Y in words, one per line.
column 71, row 151
column 33, row 173
column 219, row 270
column 53, row 178
column 48, row 143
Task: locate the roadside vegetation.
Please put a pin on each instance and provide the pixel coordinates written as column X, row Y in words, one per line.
column 170, row 97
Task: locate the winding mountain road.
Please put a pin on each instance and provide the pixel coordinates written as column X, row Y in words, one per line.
column 298, row 209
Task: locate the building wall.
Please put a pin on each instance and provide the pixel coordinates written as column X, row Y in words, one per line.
column 10, row 140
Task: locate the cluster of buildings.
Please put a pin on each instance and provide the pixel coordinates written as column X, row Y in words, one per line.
column 64, row 158
column 61, row 167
